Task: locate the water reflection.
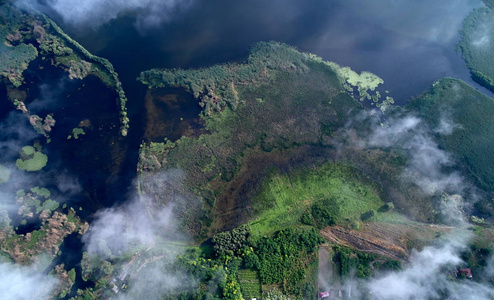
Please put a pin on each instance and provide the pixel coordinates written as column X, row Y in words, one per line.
column 408, row 43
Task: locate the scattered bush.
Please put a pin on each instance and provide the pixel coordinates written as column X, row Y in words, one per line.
column 368, row 215
column 325, row 212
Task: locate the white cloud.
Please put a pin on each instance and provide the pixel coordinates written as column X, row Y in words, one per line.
column 24, row 283
column 93, row 13
column 426, row 277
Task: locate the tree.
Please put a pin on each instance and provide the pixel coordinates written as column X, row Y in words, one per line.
column 231, row 240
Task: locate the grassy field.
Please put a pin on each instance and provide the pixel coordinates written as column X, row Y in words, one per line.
column 471, row 141
column 477, row 45
column 284, row 198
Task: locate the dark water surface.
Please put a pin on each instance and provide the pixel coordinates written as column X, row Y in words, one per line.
column 407, row 43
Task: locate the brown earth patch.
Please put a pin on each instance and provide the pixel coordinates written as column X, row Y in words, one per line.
column 233, row 207
column 391, row 240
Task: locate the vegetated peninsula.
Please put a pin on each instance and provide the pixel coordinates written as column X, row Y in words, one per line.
column 469, row 134
column 28, row 35
column 272, row 109
column 289, row 159
column 477, row 44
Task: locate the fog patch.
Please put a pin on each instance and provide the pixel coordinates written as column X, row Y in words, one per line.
column 481, row 37
column 435, row 21
column 49, row 94
column 116, row 231
column 24, row 283
column 94, row 13
column 427, row 162
column 151, row 235
column 431, row 275
column 16, row 133
column 447, row 126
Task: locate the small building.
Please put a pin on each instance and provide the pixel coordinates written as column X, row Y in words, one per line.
column 467, row 272
column 323, row 295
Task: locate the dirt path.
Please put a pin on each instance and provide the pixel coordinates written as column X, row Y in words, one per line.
column 325, row 269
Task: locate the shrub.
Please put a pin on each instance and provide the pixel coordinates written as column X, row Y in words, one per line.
column 325, row 212
column 368, row 215
column 231, row 240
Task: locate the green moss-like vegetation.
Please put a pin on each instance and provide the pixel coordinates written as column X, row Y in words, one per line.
column 329, row 194
column 52, row 44
column 41, row 191
column 31, row 160
column 72, row 275
column 76, row 132
column 15, row 61
column 477, row 45
column 27, row 150
column 48, row 205
column 4, row 174
column 473, row 126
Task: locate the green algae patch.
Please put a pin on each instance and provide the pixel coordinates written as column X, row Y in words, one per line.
column 44, row 192
column 31, row 160
column 49, row 204
column 76, row 132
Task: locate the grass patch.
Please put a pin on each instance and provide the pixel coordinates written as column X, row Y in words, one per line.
column 391, row 217
column 284, row 198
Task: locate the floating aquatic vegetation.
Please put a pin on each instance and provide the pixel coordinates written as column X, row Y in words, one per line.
column 31, row 160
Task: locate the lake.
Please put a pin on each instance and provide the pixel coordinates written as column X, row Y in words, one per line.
column 409, row 44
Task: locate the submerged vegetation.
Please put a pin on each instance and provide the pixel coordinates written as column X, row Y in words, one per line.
column 4, row 174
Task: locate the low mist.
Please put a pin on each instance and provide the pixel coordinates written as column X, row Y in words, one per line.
column 24, row 283
column 431, row 275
